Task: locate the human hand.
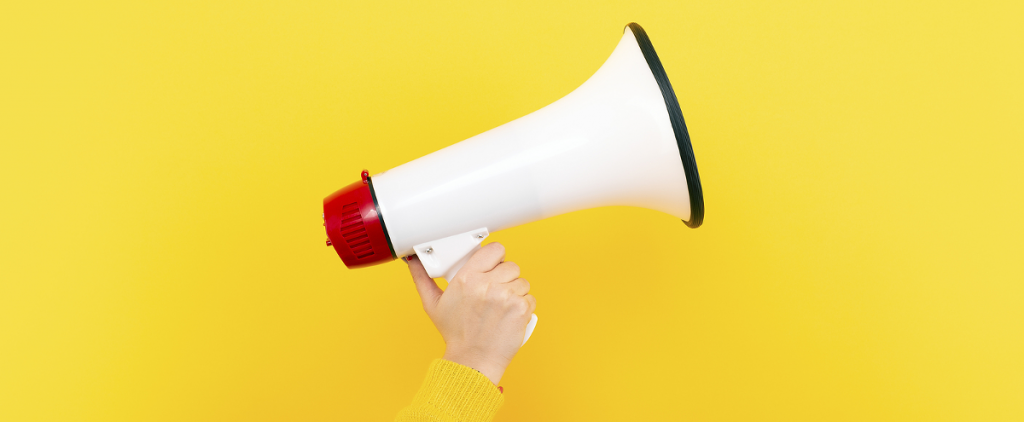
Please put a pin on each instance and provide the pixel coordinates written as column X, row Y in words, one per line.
column 482, row 316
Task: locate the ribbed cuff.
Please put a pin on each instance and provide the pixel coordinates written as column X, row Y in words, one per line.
column 458, row 392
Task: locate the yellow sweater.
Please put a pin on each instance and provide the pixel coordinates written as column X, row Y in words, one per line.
column 453, row 393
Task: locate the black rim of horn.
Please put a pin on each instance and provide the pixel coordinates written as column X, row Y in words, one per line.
column 675, row 114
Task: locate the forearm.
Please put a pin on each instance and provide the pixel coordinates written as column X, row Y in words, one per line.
column 453, row 393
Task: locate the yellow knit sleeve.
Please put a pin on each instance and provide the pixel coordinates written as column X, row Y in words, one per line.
column 453, row 393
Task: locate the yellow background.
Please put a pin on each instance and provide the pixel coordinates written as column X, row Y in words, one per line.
column 163, row 165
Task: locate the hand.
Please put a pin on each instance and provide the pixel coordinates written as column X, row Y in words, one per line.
column 482, row 315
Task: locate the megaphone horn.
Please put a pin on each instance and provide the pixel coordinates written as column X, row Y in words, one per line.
column 618, row 139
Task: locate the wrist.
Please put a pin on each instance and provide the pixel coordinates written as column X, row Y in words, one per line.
column 489, row 367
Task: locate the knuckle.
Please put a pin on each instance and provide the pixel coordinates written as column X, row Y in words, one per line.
column 514, row 268
column 522, row 307
column 497, row 247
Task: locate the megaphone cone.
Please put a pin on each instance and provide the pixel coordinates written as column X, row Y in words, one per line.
column 619, row 139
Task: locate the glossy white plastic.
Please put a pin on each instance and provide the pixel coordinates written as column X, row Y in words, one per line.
column 609, row 142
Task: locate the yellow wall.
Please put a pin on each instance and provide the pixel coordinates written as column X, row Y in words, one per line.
column 162, row 169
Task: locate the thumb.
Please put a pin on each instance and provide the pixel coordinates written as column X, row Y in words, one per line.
column 425, row 286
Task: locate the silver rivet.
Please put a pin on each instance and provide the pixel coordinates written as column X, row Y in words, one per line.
column 480, row 236
column 429, row 250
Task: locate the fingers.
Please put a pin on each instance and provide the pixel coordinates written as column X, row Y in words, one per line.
column 425, row 286
column 488, row 257
column 505, row 272
column 532, row 301
column 519, row 286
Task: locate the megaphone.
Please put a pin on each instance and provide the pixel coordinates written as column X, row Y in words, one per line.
column 618, row 139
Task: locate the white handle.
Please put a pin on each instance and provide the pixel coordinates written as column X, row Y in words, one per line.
column 529, row 328
column 445, row 257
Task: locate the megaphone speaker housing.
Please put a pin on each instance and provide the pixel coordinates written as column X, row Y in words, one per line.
column 618, row 139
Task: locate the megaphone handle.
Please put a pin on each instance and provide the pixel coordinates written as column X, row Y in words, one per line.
column 458, row 266
column 529, row 328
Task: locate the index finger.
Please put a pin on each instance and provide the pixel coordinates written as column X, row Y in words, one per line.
column 488, row 257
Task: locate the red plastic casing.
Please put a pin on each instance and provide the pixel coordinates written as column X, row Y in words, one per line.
column 354, row 226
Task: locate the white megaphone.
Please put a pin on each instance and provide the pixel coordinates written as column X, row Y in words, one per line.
column 619, row 139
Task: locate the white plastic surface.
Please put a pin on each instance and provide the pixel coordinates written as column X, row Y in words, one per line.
column 529, row 328
column 609, row 142
column 445, row 257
